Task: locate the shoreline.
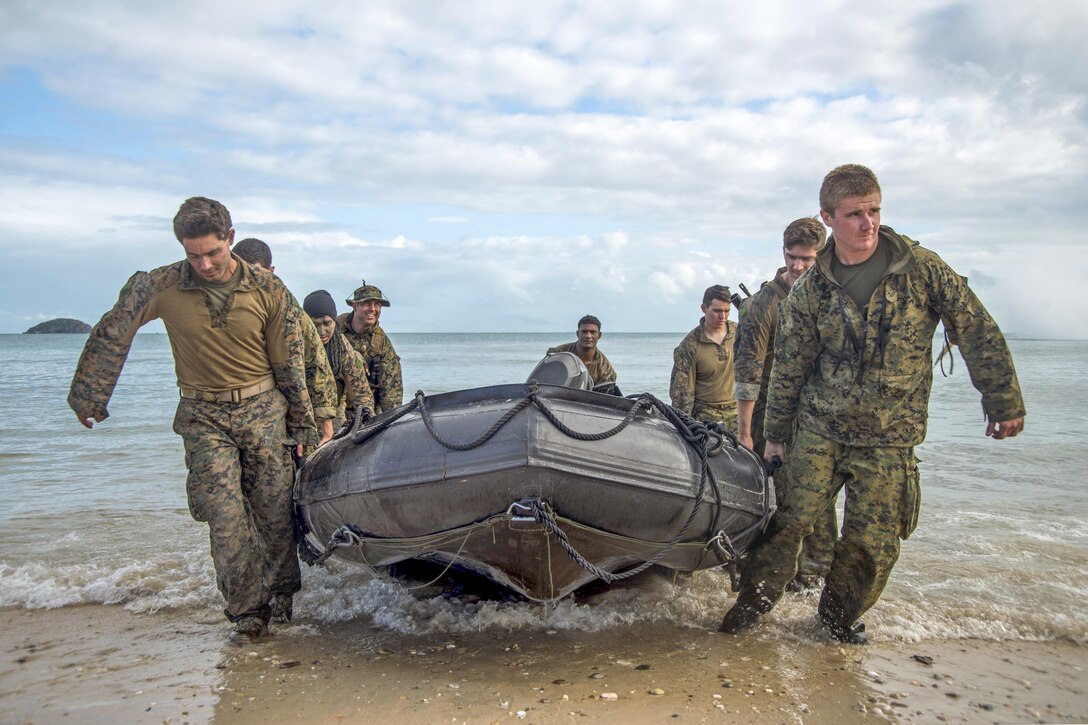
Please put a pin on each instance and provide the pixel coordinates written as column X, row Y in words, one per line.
column 93, row 663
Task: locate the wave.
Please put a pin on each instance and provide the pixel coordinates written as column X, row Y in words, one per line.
column 339, row 592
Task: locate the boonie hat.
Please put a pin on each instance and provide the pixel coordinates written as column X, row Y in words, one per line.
column 367, row 292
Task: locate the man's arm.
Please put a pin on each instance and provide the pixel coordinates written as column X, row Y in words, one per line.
column 390, row 385
column 106, row 350
column 796, row 348
column 754, row 334
column 320, row 382
column 356, row 386
column 608, row 373
column 682, row 382
column 983, row 347
column 286, row 354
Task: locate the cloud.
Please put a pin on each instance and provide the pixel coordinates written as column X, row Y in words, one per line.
column 542, row 157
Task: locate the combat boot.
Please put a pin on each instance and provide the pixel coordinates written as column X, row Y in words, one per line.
column 248, row 629
column 848, row 635
column 282, row 607
column 740, row 619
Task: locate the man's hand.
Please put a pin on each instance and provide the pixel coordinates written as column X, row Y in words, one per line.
column 1003, row 429
column 745, row 439
column 326, row 432
column 772, row 449
column 85, row 420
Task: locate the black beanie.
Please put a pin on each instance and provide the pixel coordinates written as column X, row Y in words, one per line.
column 319, row 303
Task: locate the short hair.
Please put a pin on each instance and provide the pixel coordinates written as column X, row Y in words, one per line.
column 716, row 292
column 804, row 232
column 198, row 217
column 589, row 320
column 846, row 181
column 254, row 251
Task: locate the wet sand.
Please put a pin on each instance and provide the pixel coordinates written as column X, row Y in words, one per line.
column 92, row 664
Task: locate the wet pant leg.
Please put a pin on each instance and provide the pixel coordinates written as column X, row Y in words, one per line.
column 882, row 502
column 267, row 483
column 214, row 492
column 818, row 548
column 811, row 483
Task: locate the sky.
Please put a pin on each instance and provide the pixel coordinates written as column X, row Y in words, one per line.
column 511, row 166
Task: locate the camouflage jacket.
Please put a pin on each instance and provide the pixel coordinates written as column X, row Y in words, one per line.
column 278, row 338
column 351, row 378
column 702, row 370
column 866, row 381
column 382, row 363
column 320, row 381
column 753, row 350
column 600, row 369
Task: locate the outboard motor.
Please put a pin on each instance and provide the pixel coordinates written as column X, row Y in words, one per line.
column 562, row 368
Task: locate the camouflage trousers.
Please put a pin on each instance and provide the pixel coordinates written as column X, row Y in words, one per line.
column 818, row 548
column 725, row 416
column 882, row 502
column 240, row 482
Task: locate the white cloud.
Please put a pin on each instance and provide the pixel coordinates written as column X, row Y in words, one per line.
column 503, row 147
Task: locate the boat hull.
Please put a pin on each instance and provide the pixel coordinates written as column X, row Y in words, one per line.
column 532, row 507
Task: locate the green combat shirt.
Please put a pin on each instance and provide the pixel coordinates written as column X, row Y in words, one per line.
column 865, row 380
column 753, row 350
column 702, row 370
column 382, row 363
column 600, row 369
column 252, row 337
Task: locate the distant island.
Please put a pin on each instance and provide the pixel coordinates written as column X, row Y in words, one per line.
column 61, row 325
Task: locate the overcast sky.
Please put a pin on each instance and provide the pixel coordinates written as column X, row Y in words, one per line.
column 510, row 166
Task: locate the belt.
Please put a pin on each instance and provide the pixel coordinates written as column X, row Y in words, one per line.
column 716, row 406
column 230, row 396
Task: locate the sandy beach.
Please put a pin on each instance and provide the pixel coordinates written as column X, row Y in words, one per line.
column 95, row 664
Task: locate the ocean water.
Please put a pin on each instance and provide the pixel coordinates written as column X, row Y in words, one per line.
column 99, row 517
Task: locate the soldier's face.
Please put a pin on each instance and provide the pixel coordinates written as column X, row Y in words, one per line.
column 368, row 311
column 210, row 257
column 325, row 327
column 717, row 312
column 588, row 335
column 855, row 224
column 798, row 259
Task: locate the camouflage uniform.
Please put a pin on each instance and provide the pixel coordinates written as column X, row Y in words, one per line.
column 320, row 381
column 688, row 375
column 353, row 388
column 754, row 353
column 600, row 369
column 857, row 388
column 382, row 363
column 237, row 453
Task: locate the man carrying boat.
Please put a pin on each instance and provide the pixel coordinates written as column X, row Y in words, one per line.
column 320, row 381
column 361, row 329
column 348, row 368
column 852, row 375
column 754, row 352
column 702, row 371
column 243, row 407
column 589, row 334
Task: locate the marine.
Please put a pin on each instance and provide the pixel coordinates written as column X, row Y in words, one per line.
column 243, row 411
column 320, row 382
column 754, row 356
column 852, row 375
column 702, row 379
column 348, row 368
column 361, row 329
column 585, row 347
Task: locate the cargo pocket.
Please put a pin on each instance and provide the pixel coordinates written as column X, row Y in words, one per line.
column 910, row 503
column 196, row 493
